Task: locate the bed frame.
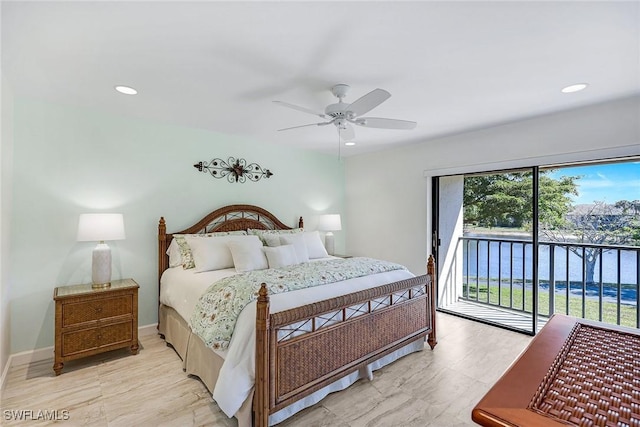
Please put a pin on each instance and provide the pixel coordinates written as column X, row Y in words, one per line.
column 341, row 334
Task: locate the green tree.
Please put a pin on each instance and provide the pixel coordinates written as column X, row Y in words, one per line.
column 629, row 207
column 554, row 200
column 632, row 208
column 506, row 199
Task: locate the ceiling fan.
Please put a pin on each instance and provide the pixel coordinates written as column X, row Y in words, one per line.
column 343, row 115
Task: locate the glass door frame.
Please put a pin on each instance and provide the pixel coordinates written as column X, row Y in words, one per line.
column 436, row 242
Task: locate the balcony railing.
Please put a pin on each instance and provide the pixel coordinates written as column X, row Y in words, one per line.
column 499, row 272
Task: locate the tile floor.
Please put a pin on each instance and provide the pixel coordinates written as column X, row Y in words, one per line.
column 429, row 388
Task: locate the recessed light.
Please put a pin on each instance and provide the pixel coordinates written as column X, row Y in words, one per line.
column 349, row 143
column 575, row 88
column 126, row 90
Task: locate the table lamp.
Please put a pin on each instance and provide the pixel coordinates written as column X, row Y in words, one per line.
column 329, row 223
column 101, row 227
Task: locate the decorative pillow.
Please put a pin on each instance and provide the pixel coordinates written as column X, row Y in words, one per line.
column 271, row 239
column 281, row 256
column 247, row 254
column 175, row 258
column 185, row 250
column 299, row 243
column 211, row 253
column 262, row 233
column 315, row 247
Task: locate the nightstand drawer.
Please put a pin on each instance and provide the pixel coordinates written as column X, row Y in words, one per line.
column 89, row 339
column 75, row 313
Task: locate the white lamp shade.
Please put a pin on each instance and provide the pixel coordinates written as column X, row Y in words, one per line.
column 100, row 227
column 329, row 222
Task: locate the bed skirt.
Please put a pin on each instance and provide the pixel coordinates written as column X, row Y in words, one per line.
column 197, row 358
column 202, row 362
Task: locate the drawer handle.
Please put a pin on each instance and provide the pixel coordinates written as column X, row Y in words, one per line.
column 99, row 336
column 98, row 309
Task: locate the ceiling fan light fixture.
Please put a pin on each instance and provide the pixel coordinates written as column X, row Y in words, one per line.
column 340, row 90
column 343, row 115
column 575, row 88
column 126, row 90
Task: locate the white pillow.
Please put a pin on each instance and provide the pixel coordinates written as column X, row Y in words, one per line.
column 262, row 233
column 281, row 256
column 185, row 250
column 212, row 253
column 299, row 243
column 271, row 239
column 315, row 247
column 247, row 254
column 175, row 256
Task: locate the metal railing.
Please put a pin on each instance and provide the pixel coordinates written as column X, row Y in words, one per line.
column 596, row 282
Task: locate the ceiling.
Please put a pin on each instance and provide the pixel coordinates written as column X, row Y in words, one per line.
column 450, row 66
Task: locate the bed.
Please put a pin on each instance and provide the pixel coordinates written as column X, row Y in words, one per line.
column 288, row 349
column 575, row 372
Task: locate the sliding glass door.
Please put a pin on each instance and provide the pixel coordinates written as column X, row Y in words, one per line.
column 486, row 240
column 590, row 256
column 516, row 246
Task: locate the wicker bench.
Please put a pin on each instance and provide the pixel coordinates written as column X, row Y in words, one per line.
column 574, row 372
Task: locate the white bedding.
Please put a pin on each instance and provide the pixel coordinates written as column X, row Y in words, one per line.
column 181, row 289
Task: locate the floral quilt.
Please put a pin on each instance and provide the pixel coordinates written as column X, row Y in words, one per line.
column 217, row 310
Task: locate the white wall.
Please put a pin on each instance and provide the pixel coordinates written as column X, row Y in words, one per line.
column 389, row 192
column 450, row 229
column 6, row 154
column 68, row 161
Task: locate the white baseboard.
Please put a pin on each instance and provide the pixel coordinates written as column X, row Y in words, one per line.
column 5, row 372
column 25, row 357
column 39, row 354
column 152, row 329
column 31, row 356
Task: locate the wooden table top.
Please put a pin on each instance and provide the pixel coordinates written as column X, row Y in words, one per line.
column 524, row 395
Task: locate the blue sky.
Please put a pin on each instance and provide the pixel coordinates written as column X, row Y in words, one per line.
column 608, row 183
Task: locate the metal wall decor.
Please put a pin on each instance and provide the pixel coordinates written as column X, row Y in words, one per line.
column 235, row 170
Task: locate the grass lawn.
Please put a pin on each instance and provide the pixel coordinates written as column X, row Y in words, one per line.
column 514, row 299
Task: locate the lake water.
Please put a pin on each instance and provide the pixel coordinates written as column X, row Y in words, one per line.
column 519, row 265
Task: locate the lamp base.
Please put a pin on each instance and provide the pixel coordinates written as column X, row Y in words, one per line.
column 101, row 266
column 329, row 243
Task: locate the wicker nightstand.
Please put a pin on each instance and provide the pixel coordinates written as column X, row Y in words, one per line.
column 91, row 321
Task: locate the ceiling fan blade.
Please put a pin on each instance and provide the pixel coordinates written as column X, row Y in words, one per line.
column 304, row 126
column 347, row 133
column 376, row 122
column 303, row 109
column 369, row 101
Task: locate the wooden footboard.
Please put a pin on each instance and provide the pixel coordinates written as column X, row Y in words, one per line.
column 302, row 350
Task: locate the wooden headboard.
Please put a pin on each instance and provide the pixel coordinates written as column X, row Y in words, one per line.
column 228, row 218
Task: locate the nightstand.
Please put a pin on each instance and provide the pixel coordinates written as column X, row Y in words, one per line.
column 91, row 321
